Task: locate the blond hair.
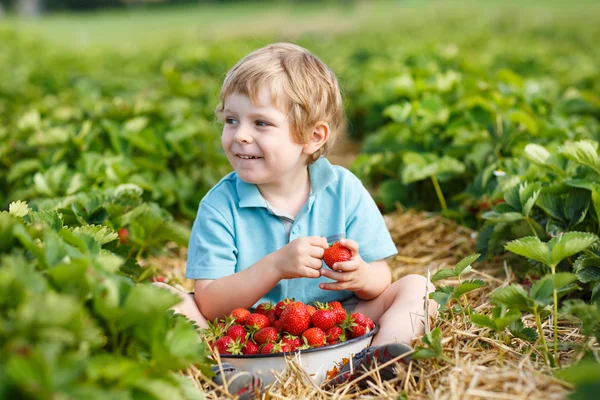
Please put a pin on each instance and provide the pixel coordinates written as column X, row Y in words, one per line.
column 310, row 89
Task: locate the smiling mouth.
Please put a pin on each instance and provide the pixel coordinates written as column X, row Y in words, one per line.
column 244, row 157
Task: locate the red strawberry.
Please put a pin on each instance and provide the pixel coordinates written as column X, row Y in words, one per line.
column 314, row 337
column 357, row 330
column 370, row 324
column 123, row 235
column 277, row 325
column 335, row 305
column 237, row 332
column 335, row 334
column 360, row 319
column 271, row 315
column 292, row 342
column 340, row 315
column 250, row 348
column 222, row 345
column 311, row 310
column 256, row 322
column 279, row 307
column 295, row 319
column 265, row 335
column 336, row 253
column 323, row 319
column 262, row 308
column 267, row 348
column 239, row 314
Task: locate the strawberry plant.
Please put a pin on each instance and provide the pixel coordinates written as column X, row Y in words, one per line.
column 444, row 294
column 551, row 254
column 76, row 324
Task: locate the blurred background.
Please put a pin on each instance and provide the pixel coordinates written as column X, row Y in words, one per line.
column 95, row 93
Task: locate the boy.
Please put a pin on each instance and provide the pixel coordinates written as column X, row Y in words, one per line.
column 260, row 232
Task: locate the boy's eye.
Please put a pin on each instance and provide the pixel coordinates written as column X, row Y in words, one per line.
column 230, row 120
column 262, row 123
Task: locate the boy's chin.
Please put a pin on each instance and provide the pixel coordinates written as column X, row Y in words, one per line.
column 252, row 178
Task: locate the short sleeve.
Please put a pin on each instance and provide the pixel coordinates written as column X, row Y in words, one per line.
column 365, row 224
column 212, row 253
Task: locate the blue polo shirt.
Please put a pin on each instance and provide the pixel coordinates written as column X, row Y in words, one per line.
column 236, row 227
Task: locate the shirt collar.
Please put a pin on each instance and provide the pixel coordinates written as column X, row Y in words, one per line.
column 321, row 174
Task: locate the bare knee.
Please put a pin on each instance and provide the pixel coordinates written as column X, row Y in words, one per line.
column 414, row 282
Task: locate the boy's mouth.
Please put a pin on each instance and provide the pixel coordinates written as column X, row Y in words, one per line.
column 247, row 157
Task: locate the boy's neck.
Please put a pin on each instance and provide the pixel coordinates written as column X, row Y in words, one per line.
column 288, row 195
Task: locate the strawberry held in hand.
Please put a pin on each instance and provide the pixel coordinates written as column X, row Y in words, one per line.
column 336, row 253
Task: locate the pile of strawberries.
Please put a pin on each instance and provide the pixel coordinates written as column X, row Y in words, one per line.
column 285, row 327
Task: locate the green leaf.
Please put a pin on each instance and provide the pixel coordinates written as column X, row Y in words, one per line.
column 512, row 296
column 464, row 265
column 422, row 353
column 552, row 204
column 19, row 208
column 512, row 197
column 525, row 120
column 442, row 294
column 483, row 321
column 596, row 199
column 530, row 247
column 495, row 216
column 568, row 244
column 468, row 286
column 434, row 340
column 587, row 268
column 585, row 371
column 517, row 329
column 536, row 154
column 528, row 194
column 541, row 290
column 101, row 234
column 583, row 152
column 443, row 274
column 507, row 319
column 562, row 279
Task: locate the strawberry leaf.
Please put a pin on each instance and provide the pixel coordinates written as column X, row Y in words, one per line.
column 536, row 154
column 468, row 286
column 443, row 274
column 530, row 247
column 583, row 152
column 18, row 208
column 464, row 265
column 570, row 243
column 512, row 296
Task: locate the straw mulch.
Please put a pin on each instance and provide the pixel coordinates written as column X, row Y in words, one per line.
column 474, row 369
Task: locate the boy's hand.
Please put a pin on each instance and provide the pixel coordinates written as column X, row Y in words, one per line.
column 350, row 275
column 301, row 258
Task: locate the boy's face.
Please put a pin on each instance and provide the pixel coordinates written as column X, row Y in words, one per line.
column 258, row 142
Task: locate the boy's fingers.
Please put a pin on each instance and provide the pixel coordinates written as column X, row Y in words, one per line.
column 315, row 263
column 333, row 286
column 336, row 276
column 351, row 245
column 316, row 252
column 346, row 266
column 318, row 241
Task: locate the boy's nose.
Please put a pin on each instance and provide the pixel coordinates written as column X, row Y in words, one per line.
column 242, row 135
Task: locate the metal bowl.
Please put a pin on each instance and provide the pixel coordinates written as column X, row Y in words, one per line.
column 316, row 362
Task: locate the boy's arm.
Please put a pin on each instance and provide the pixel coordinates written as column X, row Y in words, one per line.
column 301, row 258
column 218, row 297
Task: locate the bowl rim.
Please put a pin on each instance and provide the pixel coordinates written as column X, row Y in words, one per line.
column 312, row 350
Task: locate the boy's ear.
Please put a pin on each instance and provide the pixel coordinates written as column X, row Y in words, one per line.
column 318, row 137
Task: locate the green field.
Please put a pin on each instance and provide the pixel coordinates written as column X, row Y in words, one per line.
column 486, row 112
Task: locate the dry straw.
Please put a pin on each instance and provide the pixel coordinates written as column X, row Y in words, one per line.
column 474, row 370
